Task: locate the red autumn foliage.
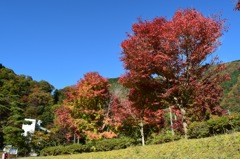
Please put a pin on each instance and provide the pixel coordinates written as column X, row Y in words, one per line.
column 166, row 64
column 124, row 112
column 120, row 111
column 237, row 7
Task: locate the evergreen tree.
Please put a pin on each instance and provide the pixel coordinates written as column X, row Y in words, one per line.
column 4, row 109
column 13, row 129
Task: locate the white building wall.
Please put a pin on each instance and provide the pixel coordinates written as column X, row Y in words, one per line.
column 29, row 128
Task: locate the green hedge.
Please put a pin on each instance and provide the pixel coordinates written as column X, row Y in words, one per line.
column 60, row 150
column 214, row 126
column 100, row 145
column 219, row 125
column 165, row 136
column 52, row 151
column 113, row 144
column 198, row 130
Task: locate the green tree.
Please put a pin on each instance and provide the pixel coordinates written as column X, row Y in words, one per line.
column 13, row 129
column 4, row 113
column 45, row 86
column 60, row 95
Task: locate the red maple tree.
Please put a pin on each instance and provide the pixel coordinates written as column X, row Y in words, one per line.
column 166, row 65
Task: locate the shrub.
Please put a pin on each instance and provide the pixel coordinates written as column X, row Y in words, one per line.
column 219, row 125
column 198, row 130
column 165, row 136
column 60, row 150
column 113, row 144
column 215, row 125
column 235, row 122
column 77, row 148
column 99, row 145
column 52, row 151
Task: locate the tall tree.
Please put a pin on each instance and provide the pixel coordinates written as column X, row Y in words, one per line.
column 166, row 64
column 4, row 114
column 86, row 107
column 39, row 102
column 13, row 129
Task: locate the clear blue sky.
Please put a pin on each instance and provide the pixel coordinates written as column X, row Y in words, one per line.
column 61, row 40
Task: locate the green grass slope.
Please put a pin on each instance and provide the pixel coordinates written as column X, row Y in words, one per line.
column 222, row 146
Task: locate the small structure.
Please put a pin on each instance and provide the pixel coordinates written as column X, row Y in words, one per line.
column 9, row 151
column 30, row 128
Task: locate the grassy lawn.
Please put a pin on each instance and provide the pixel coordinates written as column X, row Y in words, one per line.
column 221, row 147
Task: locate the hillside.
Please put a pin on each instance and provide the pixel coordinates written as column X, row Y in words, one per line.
column 22, row 97
column 231, row 98
column 182, row 149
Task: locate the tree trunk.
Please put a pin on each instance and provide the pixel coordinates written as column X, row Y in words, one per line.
column 184, row 120
column 170, row 112
column 74, row 138
column 142, row 133
column 185, row 129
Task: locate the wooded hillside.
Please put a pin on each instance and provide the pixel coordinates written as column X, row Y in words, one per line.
column 231, row 97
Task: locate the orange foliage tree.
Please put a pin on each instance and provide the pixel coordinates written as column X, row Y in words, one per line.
column 86, row 108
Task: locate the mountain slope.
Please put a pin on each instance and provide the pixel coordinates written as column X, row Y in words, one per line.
column 231, row 97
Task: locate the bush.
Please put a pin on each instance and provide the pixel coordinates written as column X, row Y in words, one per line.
column 198, row 130
column 60, row 150
column 52, row 151
column 113, row 144
column 235, row 122
column 163, row 137
column 77, row 148
column 100, row 145
column 219, row 125
column 215, row 125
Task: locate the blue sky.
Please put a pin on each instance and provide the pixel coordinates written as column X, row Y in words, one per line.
column 59, row 40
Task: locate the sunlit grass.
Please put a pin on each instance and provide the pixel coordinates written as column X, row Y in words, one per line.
column 223, row 146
